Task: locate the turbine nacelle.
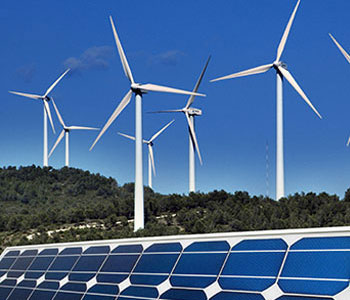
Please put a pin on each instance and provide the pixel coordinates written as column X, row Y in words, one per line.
column 281, row 64
column 137, row 88
column 193, row 111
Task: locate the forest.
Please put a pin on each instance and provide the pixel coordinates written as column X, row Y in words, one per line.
column 46, row 205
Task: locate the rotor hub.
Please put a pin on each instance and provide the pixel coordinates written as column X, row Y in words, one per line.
column 194, row 111
column 280, row 64
column 136, row 88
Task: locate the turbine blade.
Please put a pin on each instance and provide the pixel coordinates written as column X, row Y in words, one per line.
column 158, row 88
column 286, row 33
column 32, row 96
column 164, row 111
column 55, row 83
column 127, row 136
column 82, row 128
column 123, row 59
column 256, row 70
column 58, row 113
column 47, row 108
column 160, row 131
column 347, row 56
column 115, row 114
column 60, row 137
column 295, row 85
column 150, row 150
column 348, row 143
column 193, row 137
column 191, row 98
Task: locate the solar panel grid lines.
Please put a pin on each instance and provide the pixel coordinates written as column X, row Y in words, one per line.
column 92, row 282
column 204, row 265
column 60, row 255
column 126, row 283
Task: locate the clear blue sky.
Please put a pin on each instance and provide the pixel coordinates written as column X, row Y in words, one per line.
column 167, row 42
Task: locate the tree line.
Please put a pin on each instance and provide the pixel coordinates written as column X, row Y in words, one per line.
column 46, row 205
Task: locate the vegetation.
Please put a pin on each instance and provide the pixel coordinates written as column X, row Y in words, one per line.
column 44, row 205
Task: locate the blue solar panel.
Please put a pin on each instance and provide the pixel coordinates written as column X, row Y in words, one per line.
column 165, row 247
column 63, row 263
column 156, row 263
column 22, row 263
column 192, row 281
column 301, row 298
column 322, row 243
column 13, row 253
column 41, row 263
column 29, row 253
column 268, row 244
column 237, row 296
column 182, row 294
column 71, row 251
column 97, row 297
column 89, row 263
column 82, row 277
column 128, row 249
column 120, row 263
column 220, row 267
column 249, row 264
column 324, row 264
column 208, row 247
column 40, row 295
column 49, row 252
column 246, row 284
column 104, row 289
column 20, row 293
column 6, row 263
column 34, row 275
column 97, row 250
column 316, row 287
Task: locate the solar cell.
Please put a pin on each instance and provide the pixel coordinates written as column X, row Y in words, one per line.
column 275, row 265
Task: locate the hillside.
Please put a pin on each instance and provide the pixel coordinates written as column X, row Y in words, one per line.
column 45, row 205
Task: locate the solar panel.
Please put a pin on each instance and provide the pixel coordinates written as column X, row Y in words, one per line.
column 306, row 264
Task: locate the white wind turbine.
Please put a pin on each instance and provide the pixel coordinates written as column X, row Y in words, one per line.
column 190, row 113
column 65, row 132
column 281, row 72
column 149, row 143
column 347, row 57
column 138, row 89
column 45, row 98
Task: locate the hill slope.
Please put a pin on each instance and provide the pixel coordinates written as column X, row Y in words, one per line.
column 44, row 205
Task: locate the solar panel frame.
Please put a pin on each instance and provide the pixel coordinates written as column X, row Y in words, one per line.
column 300, row 242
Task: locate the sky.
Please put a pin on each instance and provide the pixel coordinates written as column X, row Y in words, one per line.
column 167, row 42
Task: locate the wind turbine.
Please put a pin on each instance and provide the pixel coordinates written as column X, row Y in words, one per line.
column 138, row 89
column 45, row 98
column 190, row 114
column 347, row 57
column 282, row 72
column 65, row 132
column 149, row 144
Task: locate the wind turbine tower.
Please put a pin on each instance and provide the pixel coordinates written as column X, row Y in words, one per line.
column 138, row 89
column 190, row 114
column 281, row 73
column 65, row 132
column 149, row 143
